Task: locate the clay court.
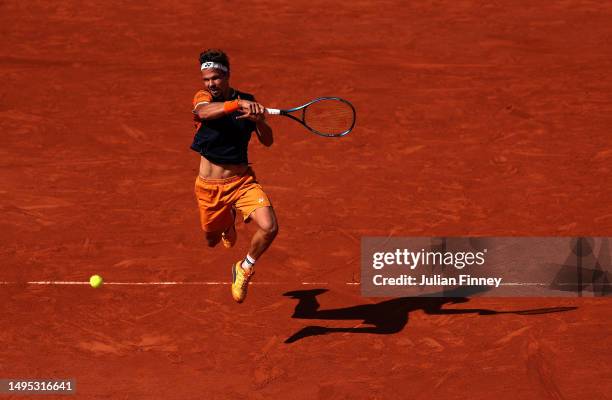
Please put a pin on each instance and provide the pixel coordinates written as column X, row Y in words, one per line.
column 474, row 118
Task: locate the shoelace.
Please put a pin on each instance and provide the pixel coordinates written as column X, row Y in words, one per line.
column 244, row 278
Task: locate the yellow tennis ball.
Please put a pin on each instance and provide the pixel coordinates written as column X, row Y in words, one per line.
column 96, row 281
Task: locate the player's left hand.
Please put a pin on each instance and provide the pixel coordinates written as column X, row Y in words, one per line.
column 251, row 110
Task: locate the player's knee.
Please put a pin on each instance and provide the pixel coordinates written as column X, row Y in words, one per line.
column 270, row 230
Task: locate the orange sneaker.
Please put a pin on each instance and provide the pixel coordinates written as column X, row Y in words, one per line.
column 240, row 281
column 229, row 237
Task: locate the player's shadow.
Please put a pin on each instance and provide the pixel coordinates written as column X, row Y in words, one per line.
column 386, row 317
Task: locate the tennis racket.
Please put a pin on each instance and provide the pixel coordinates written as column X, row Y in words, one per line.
column 325, row 116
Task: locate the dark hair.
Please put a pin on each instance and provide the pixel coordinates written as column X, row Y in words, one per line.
column 215, row 55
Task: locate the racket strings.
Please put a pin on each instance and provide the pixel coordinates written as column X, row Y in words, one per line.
column 331, row 117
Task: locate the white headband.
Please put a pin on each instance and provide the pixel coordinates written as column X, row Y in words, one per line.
column 210, row 64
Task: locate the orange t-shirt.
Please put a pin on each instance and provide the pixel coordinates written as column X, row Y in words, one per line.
column 201, row 97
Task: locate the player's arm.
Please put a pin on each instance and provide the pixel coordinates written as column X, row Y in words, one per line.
column 264, row 132
column 257, row 113
column 216, row 110
column 205, row 109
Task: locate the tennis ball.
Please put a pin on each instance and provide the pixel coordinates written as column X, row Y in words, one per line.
column 96, row 281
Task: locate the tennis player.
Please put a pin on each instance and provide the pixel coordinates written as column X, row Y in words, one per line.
column 225, row 119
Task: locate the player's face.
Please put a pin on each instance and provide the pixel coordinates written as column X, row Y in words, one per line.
column 216, row 82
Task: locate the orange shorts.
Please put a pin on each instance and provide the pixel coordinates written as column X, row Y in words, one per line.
column 216, row 197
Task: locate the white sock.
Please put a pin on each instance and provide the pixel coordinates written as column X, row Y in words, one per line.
column 248, row 262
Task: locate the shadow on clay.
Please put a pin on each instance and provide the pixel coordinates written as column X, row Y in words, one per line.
column 387, row 317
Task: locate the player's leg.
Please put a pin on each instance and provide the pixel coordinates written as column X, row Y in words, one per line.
column 229, row 235
column 212, row 238
column 254, row 205
column 267, row 229
column 216, row 217
column 242, row 271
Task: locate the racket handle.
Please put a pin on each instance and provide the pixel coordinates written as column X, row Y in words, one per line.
column 273, row 111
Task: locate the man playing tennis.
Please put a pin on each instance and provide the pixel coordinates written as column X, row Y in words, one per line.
column 225, row 119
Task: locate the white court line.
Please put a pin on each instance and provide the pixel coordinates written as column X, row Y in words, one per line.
column 524, row 284
column 548, row 284
column 162, row 283
column 86, row 283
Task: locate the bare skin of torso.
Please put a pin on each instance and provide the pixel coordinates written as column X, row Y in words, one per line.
column 210, row 170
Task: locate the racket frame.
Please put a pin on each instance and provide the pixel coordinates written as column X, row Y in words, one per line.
column 288, row 113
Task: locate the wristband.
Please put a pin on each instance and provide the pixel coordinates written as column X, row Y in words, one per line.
column 230, row 106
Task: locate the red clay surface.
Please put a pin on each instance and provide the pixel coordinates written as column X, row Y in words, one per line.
column 474, row 118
